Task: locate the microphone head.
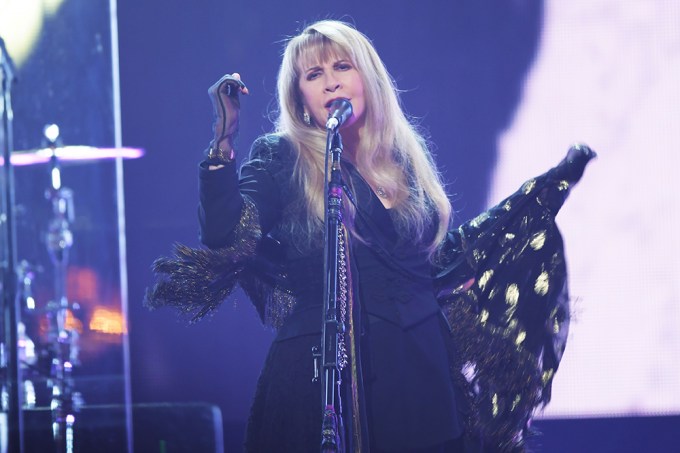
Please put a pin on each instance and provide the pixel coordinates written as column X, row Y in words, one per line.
column 339, row 111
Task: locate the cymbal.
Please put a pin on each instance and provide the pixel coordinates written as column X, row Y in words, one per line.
column 73, row 154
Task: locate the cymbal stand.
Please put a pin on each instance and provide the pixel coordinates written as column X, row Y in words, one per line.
column 64, row 338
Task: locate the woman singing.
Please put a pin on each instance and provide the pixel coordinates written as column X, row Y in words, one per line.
column 452, row 335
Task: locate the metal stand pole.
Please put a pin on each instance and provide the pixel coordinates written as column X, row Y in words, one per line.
column 332, row 429
column 10, row 312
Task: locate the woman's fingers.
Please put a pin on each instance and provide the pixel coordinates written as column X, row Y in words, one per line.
column 242, row 86
column 230, row 82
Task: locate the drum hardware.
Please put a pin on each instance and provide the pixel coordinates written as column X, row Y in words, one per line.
column 17, row 351
column 62, row 346
column 63, row 338
column 72, row 155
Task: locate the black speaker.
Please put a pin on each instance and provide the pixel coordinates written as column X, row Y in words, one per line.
column 157, row 428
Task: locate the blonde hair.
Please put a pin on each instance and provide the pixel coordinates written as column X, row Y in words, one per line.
column 391, row 153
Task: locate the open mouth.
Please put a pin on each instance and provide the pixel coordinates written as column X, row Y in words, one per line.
column 328, row 104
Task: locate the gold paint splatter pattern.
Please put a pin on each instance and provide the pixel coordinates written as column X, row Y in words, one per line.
column 542, row 284
column 483, row 317
column 516, row 401
column 484, row 279
column 511, row 298
column 538, row 240
column 528, row 186
column 477, row 221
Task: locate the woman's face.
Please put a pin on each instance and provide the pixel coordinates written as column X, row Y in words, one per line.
column 322, row 83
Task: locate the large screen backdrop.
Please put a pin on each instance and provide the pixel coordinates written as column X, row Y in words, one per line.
column 607, row 74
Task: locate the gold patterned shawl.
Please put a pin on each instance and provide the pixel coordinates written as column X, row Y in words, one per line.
column 503, row 288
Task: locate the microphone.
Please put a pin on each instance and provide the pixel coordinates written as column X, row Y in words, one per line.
column 340, row 111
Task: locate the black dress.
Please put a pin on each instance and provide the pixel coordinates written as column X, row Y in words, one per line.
column 409, row 398
column 437, row 354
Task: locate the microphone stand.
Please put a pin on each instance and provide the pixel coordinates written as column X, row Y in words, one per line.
column 10, row 311
column 333, row 353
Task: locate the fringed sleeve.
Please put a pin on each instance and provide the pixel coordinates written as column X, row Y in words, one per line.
column 503, row 287
column 196, row 281
column 236, row 217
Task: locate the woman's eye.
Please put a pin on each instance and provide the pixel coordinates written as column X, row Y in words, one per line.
column 343, row 66
column 313, row 75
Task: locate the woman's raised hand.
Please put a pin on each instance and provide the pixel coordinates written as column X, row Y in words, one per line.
column 224, row 95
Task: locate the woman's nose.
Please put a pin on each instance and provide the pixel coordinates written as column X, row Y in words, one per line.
column 332, row 84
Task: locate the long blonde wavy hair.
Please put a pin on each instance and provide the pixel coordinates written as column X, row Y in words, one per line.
column 391, row 153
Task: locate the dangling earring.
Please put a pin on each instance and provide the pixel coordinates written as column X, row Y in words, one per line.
column 307, row 119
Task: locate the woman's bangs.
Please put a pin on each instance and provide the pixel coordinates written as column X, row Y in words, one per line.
column 315, row 49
